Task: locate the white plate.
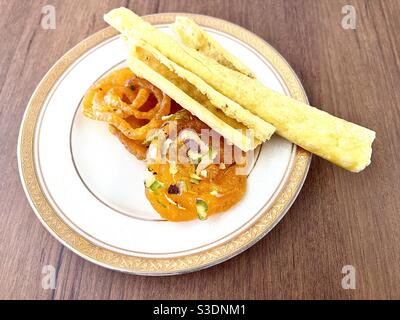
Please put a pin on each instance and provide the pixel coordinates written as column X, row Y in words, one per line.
column 88, row 190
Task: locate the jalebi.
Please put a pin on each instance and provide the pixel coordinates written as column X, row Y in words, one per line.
column 117, row 100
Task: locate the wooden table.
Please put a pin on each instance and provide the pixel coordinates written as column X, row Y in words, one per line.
column 338, row 219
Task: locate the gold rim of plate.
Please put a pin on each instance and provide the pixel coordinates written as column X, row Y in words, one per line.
column 156, row 266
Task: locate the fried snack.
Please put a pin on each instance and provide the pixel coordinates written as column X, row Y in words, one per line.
column 96, row 95
column 193, row 36
column 107, row 101
column 133, row 146
column 114, row 98
column 187, row 95
column 345, row 144
column 233, row 112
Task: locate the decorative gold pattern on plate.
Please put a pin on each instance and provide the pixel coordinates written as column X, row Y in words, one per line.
column 155, row 266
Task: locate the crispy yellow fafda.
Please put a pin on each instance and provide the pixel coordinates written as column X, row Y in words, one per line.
column 195, row 37
column 343, row 143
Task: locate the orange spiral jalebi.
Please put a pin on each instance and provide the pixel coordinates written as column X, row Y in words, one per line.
column 117, row 100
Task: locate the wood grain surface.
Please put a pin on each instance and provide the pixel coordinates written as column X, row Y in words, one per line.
column 339, row 218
